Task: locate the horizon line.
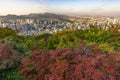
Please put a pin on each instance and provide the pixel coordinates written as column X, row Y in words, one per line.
column 90, row 15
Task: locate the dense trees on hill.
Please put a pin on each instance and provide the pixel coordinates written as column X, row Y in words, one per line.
column 104, row 38
column 68, row 38
column 81, row 63
column 5, row 32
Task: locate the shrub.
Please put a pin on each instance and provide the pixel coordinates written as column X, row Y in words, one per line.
column 97, row 36
column 9, row 59
column 82, row 63
column 106, row 47
column 16, row 43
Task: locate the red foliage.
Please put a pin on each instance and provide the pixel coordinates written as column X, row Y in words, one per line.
column 8, row 57
column 82, row 63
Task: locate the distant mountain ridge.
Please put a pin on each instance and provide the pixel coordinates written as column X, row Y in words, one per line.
column 32, row 16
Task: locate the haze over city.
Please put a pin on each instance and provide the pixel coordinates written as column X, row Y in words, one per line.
column 69, row 7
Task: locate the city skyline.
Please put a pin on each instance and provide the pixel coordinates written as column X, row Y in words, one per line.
column 68, row 7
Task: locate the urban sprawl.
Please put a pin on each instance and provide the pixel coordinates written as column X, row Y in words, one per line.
column 53, row 25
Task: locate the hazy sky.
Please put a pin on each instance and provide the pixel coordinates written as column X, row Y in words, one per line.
column 72, row 7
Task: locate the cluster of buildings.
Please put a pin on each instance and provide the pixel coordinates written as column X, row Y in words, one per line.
column 52, row 25
column 99, row 22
